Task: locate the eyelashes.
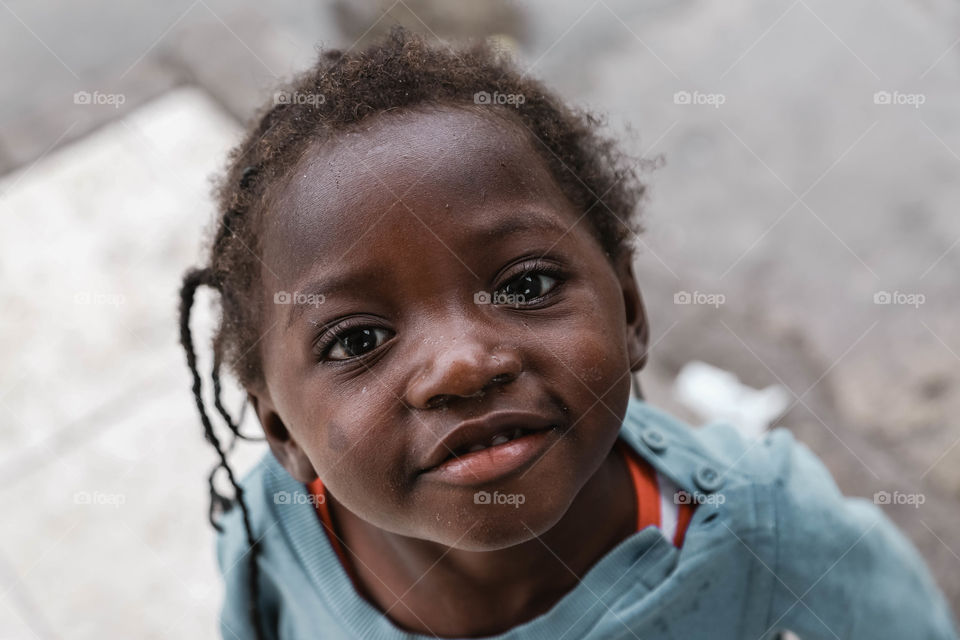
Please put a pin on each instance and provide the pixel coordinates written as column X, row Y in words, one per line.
column 356, row 342
column 529, row 284
column 350, row 339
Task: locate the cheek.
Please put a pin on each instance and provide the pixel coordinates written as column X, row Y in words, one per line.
column 594, row 368
column 590, row 348
column 342, row 428
column 338, row 440
column 358, row 453
column 596, row 360
column 352, row 451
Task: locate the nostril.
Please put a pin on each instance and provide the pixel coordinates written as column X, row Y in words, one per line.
column 438, row 401
column 465, row 384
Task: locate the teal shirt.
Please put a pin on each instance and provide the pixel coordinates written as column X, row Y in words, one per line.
column 777, row 547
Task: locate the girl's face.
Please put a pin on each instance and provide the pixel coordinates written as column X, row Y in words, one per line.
column 422, row 274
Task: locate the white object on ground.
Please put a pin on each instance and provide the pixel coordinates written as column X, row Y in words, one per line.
column 715, row 394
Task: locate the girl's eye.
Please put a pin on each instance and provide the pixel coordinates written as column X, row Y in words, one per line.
column 528, row 287
column 356, row 342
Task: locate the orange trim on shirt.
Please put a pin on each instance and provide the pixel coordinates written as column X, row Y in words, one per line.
column 323, row 510
column 644, row 487
column 647, row 491
column 684, row 514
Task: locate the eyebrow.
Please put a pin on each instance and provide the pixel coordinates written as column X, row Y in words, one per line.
column 527, row 220
column 330, row 284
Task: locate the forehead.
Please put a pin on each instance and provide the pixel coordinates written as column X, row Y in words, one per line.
column 434, row 166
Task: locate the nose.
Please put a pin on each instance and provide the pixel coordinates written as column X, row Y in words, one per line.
column 462, row 368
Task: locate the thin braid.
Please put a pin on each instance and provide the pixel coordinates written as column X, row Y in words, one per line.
column 217, row 400
column 226, row 230
column 218, row 403
column 191, row 282
column 238, row 436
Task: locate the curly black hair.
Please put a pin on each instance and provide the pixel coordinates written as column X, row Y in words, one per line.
column 343, row 88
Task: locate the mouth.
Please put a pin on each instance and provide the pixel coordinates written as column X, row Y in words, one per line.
column 480, row 451
column 498, row 439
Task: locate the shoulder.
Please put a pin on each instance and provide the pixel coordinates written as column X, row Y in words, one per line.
column 798, row 494
column 824, row 546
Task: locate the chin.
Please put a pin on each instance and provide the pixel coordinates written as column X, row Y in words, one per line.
column 492, row 527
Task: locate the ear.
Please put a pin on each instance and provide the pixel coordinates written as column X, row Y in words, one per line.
column 285, row 449
column 637, row 327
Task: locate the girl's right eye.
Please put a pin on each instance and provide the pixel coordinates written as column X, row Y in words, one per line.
column 354, row 343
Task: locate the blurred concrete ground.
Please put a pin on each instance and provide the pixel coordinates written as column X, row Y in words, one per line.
column 798, row 199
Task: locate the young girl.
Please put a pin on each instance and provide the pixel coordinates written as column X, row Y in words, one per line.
column 424, row 266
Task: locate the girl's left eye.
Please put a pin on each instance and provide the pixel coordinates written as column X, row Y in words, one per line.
column 356, row 342
column 528, row 287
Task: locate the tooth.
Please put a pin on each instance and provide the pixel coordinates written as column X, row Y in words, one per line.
column 476, row 447
column 499, row 439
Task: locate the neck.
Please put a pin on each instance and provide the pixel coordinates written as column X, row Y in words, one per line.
column 431, row 588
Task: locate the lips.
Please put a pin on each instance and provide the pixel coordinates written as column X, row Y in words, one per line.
column 487, row 433
column 502, row 437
